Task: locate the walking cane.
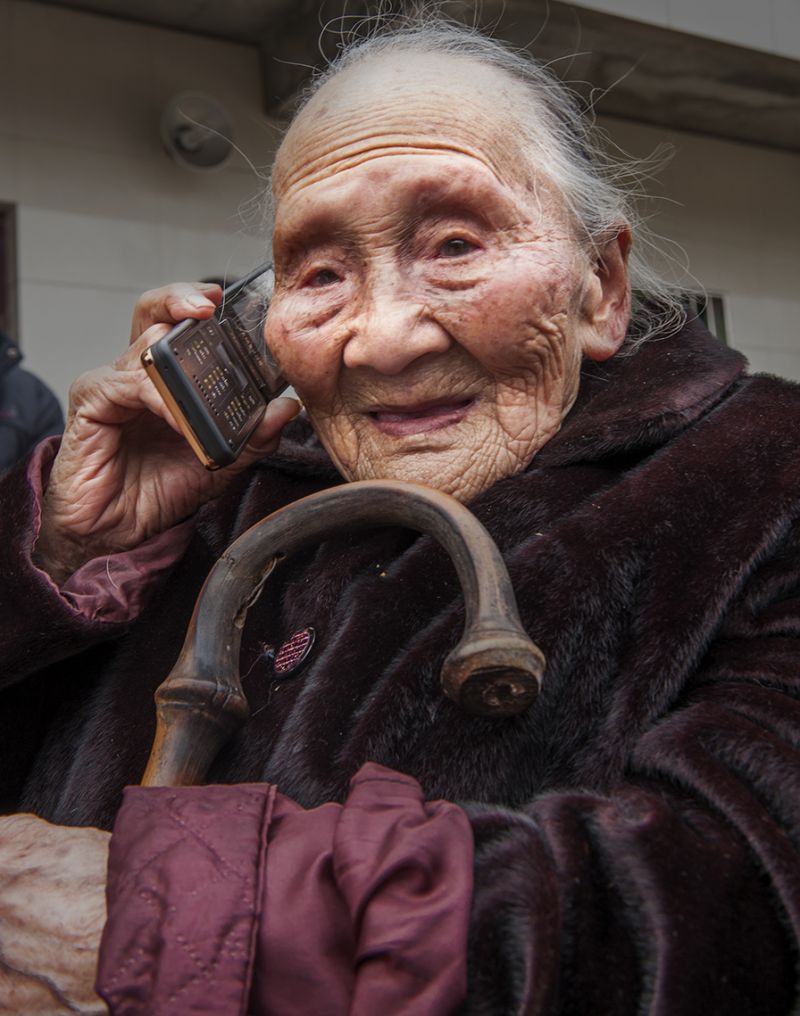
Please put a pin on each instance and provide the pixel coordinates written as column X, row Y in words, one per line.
column 495, row 670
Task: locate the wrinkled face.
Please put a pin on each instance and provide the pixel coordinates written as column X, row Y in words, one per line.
column 432, row 305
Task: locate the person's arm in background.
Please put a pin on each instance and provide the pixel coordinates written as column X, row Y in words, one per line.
column 29, row 411
column 48, row 416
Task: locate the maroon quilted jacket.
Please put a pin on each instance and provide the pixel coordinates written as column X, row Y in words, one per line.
column 636, row 832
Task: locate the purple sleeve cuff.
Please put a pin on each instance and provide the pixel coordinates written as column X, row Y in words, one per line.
column 235, row 899
column 112, row 588
column 404, row 868
column 184, row 894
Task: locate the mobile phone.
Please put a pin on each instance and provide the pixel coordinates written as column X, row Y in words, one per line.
column 217, row 376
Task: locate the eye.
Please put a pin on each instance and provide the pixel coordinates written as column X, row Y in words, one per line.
column 322, row 277
column 456, row 247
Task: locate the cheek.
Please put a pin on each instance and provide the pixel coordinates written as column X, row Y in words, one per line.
column 308, row 356
column 515, row 314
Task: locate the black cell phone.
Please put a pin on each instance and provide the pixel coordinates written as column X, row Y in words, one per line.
column 217, row 376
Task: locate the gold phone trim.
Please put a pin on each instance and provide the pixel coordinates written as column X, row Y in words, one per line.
column 177, row 412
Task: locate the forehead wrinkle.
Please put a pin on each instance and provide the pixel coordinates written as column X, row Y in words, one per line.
column 342, row 125
column 347, row 157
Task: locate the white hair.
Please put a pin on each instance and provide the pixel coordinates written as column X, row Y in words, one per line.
column 600, row 190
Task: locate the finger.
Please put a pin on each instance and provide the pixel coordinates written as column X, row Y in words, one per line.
column 174, row 303
column 116, row 383
column 114, row 394
column 111, row 397
column 131, row 358
column 267, row 435
column 133, row 388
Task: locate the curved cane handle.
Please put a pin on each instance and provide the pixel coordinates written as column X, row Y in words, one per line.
column 495, row 669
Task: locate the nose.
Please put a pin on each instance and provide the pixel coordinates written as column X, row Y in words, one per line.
column 393, row 329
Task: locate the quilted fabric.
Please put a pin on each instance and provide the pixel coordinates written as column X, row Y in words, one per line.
column 359, row 908
column 188, row 883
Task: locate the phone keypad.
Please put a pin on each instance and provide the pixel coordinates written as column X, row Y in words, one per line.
column 229, row 394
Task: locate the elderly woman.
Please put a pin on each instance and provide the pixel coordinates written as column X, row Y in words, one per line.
column 453, row 306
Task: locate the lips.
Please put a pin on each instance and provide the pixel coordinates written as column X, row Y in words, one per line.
column 399, row 421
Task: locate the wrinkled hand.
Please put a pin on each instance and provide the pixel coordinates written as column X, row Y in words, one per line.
column 124, row 472
column 52, row 912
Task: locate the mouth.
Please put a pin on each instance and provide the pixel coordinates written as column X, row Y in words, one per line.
column 419, row 418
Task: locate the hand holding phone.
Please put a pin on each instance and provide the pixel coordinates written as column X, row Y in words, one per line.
column 217, row 376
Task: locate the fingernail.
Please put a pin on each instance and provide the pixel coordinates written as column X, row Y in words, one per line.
column 282, row 404
column 199, row 302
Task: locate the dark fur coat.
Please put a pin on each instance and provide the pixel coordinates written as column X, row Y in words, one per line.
column 636, row 830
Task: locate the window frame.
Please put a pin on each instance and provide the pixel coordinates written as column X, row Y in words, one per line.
column 709, row 308
column 9, row 299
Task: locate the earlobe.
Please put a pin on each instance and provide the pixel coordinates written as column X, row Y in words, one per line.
column 607, row 306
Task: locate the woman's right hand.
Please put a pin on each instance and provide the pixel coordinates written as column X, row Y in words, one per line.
column 124, row 472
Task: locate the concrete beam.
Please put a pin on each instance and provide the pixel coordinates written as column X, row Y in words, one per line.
column 637, row 71
column 643, row 72
column 624, row 68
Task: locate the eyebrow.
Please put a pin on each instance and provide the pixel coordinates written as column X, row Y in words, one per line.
column 316, row 230
column 431, row 197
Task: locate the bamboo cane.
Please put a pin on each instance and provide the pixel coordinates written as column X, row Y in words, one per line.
column 495, row 670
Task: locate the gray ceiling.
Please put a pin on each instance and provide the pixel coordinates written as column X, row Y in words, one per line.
column 640, row 71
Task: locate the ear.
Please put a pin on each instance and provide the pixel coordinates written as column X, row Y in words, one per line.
column 606, row 307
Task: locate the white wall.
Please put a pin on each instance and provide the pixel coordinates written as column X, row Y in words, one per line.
column 734, row 210
column 770, row 25
column 103, row 212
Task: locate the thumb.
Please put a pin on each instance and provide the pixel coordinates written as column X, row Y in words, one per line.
column 267, row 435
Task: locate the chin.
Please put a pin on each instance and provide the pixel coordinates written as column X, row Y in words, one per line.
column 445, row 458
column 427, row 469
